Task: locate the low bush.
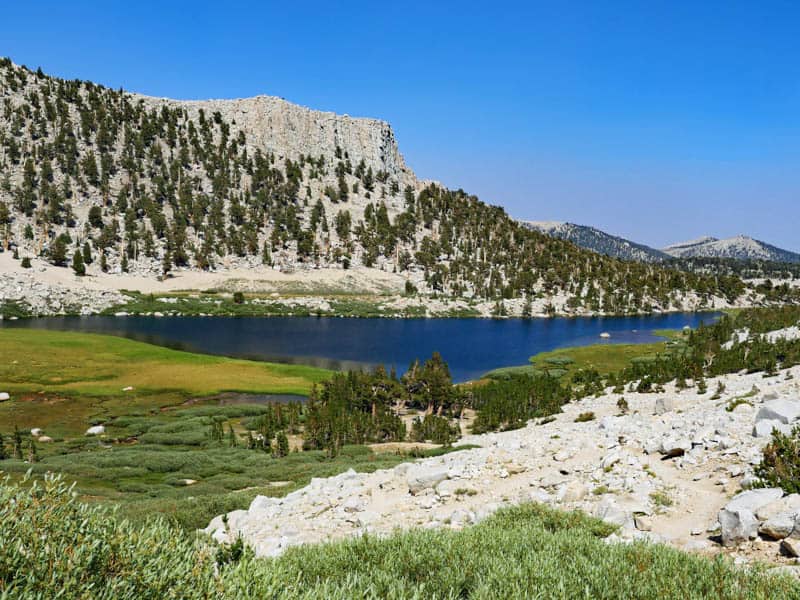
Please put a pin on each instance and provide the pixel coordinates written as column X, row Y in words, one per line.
column 780, row 465
column 60, row 548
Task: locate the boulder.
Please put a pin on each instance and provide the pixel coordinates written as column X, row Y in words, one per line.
column 449, row 487
column 574, row 491
column 765, row 427
column 675, row 446
column 738, row 526
column 752, row 500
column 4, row 396
column 353, row 504
column 778, row 526
column 36, row 432
column 44, row 438
column 787, row 504
column 262, row 503
column 422, row 478
column 664, row 405
column 791, row 547
column 96, row 430
column 784, row 411
column 610, row 512
column 643, row 523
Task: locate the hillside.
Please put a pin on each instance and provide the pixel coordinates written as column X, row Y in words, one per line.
column 598, row 241
column 136, row 186
column 740, row 247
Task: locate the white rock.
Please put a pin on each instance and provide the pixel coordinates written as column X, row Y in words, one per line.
column 675, row 446
column 752, row 500
column 664, row 405
column 784, row 411
column 96, row 430
column 353, row 504
column 737, row 526
column 262, row 503
column 4, row 396
column 778, row 526
column 765, row 427
column 573, row 492
column 36, row 432
column 787, row 504
column 421, row 478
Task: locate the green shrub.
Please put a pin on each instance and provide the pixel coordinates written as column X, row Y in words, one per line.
column 584, row 417
column 780, row 465
column 59, row 548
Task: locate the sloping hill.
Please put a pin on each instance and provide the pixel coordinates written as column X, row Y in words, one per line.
column 598, row 241
column 130, row 184
column 740, row 247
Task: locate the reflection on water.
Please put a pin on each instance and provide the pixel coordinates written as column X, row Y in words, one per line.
column 470, row 346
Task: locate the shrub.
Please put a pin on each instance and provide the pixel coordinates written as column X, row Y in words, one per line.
column 584, row 417
column 238, row 298
column 74, row 550
column 780, row 465
column 26, row 262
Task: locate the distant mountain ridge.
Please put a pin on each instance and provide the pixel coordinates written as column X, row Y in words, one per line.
column 598, row 241
column 740, row 247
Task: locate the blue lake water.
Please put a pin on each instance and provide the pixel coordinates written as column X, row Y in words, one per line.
column 470, row 346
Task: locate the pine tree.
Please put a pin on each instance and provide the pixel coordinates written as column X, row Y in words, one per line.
column 77, row 264
column 232, row 437
column 166, row 263
column 58, row 252
column 3, row 449
column 87, row 253
column 281, row 444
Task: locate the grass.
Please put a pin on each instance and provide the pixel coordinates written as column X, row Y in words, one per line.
column 92, row 364
column 605, row 358
column 80, row 375
column 530, row 551
column 158, row 434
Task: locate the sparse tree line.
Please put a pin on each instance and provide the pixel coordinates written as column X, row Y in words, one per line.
column 180, row 191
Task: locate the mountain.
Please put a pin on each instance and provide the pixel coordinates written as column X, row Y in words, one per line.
column 130, row 184
column 598, row 241
column 740, row 247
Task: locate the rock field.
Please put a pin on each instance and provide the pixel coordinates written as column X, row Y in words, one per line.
column 42, row 298
column 669, row 470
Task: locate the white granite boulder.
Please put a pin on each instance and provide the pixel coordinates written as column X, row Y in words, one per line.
column 784, row 411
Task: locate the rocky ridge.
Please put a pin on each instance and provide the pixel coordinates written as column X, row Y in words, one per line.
column 598, row 241
column 664, row 471
column 740, row 247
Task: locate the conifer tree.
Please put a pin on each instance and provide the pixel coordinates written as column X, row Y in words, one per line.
column 77, row 264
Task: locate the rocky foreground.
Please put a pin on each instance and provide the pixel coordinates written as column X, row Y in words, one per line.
column 671, row 469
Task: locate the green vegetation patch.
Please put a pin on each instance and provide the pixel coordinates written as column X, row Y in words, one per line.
column 523, row 552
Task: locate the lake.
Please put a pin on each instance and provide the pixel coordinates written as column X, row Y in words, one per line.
column 470, row 346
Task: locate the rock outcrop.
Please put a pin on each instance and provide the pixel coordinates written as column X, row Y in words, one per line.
column 676, row 477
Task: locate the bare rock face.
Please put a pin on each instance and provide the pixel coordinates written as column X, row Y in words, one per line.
column 275, row 125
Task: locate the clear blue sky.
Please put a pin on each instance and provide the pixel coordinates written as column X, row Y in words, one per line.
column 660, row 121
